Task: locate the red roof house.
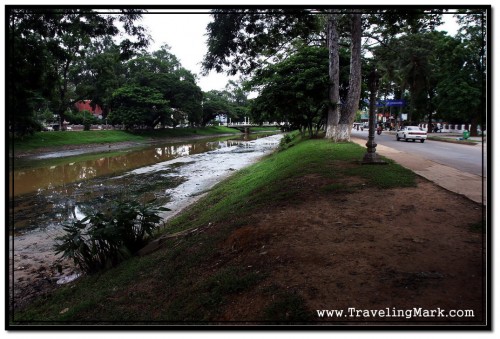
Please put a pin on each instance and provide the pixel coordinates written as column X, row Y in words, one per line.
column 84, row 105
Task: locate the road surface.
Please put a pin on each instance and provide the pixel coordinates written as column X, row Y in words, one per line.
column 465, row 158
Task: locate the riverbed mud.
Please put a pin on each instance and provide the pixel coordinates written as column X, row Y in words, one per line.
column 175, row 184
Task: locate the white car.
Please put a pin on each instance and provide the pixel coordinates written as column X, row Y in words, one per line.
column 411, row 133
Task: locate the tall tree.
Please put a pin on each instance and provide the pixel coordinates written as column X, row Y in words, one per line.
column 241, row 40
column 215, row 103
column 412, row 61
column 340, row 120
column 138, row 107
column 64, row 36
column 462, row 87
column 29, row 83
column 160, row 72
column 443, row 74
column 99, row 74
column 238, row 97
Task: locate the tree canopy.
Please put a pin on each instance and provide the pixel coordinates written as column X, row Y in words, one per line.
column 57, row 57
column 44, row 47
column 158, row 73
column 245, row 40
column 294, row 90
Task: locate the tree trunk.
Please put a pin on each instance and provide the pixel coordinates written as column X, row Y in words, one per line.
column 348, row 112
column 333, row 72
column 339, row 124
column 473, row 127
column 61, row 120
column 430, row 110
column 430, row 125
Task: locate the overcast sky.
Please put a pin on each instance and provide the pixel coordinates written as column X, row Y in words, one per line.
column 185, row 34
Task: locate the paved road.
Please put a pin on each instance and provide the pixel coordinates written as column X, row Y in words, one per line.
column 465, row 158
column 459, row 171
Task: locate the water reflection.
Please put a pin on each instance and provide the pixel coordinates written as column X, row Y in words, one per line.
column 41, row 178
column 52, row 194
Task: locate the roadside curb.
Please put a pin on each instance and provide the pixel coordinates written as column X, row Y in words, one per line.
column 451, row 179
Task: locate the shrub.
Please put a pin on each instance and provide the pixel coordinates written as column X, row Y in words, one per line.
column 288, row 140
column 101, row 240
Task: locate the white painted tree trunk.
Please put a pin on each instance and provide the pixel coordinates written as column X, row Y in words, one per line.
column 339, row 133
column 348, row 111
column 333, row 71
column 339, row 122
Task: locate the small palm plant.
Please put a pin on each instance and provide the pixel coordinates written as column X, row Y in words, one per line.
column 101, row 241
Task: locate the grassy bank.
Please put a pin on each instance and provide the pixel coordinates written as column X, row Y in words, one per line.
column 67, row 138
column 264, row 129
column 187, row 280
column 455, row 140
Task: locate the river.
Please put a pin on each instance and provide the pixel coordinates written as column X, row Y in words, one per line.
column 47, row 192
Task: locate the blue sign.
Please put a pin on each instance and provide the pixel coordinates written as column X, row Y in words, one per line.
column 388, row 103
column 397, row 103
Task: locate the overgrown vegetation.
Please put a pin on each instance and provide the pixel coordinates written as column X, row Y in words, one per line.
column 289, row 140
column 104, row 239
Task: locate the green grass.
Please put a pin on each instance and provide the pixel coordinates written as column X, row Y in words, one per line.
column 264, row 129
column 60, row 138
column 184, row 281
column 454, row 141
column 66, row 138
column 188, row 131
column 288, row 308
column 478, row 227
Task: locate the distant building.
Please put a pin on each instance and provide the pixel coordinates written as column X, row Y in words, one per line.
column 84, row 105
column 221, row 119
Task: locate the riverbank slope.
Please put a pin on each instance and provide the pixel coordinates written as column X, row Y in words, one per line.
column 306, row 229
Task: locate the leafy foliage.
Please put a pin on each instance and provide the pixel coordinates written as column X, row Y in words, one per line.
column 45, row 45
column 166, row 93
column 294, row 90
column 239, row 38
column 101, row 240
column 215, row 103
column 82, row 118
column 136, row 106
column 445, row 75
column 462, row 87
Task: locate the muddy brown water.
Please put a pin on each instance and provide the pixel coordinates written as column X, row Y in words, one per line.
column 46, row 193
column 62, row 190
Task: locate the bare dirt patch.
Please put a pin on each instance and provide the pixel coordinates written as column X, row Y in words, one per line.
column 372, row 249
